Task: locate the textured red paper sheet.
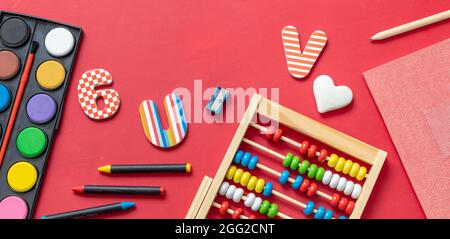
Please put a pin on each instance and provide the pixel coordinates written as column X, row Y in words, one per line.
column 413, row 96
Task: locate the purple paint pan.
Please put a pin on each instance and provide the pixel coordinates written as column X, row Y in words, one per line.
column 41, row 108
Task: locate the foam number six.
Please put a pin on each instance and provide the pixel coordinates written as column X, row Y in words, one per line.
column 300, row 63
column 87, row 95
column 151, row 122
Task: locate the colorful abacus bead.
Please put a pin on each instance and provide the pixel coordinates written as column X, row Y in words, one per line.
column 273, row 210
column 238, row 156
column 277, row 135
column 304, row 148
column 287, row 160
column 259, row 185
column 246, row 159
column 295, row 163
column 253, row 162
column 305, row 185
column 297, row 183
column 303, row 167
column 284, row 177
column 267, row 191
column 311, row 151
column 335, row 200
column 224, row 208
column 309, row 208
column 264, row 207
column 328, row 214
column 320, row 213
column 237, row 213
column 312, row 189
column 322, row 156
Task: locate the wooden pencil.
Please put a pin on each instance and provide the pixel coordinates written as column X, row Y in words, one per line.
column 411, row 26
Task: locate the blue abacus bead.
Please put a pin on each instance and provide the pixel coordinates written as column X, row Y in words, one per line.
column 238, row 156
column 267, row 189
column 284, row 177
column 246, row 159
column 253, row 162
column 342, row 217
column 320, row 213
column 309, row 208
column 298, row 182
column 328, row 214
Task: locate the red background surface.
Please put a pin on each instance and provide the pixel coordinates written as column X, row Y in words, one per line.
column 153, row 47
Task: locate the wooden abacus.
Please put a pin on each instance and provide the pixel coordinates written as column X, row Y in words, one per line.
column 346, row 171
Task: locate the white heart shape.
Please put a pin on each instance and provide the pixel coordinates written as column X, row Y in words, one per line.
column 330, row 97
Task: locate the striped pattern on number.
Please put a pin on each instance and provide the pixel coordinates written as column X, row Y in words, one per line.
column 151, row 122
column 300, row 63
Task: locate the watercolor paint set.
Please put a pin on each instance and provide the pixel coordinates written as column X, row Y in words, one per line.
column 36, row 60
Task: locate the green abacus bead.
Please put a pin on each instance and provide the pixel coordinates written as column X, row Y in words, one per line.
column 273, row 210
column 264, row 207
column 287, row 160
column 295, row 162
column 319, row 174
column 303, row 167
column 312, row 171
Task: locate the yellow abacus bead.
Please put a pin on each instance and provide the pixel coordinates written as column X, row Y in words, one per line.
column 252, row 183
column 347, row 166
column 361, row 173
column 340, row 164
column 259, row 185
column 245, row 178
column 354, row 170
column 333, row 160
column 230, row 172
column 238, row 175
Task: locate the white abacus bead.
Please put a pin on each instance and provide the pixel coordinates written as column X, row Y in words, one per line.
column 230, row 192
column 238, row 195
column 341, row 185
column 334, row 180
column 223, row 188
column 250, row 199
column 348, row 188
column 327, row 177
column 356, row 191
column 256, row 204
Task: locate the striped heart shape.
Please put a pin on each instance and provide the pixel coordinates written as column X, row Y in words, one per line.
column 300, row 63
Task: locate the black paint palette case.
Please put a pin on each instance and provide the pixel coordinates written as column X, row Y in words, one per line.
column 38, row 116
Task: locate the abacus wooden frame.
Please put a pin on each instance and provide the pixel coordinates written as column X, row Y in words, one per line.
column 259, row 105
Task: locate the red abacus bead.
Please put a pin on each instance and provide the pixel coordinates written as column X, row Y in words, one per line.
column 312, row 151
column 270, row 132
column 277, row 135
column 350, row 207
column 323, row 155
column 335, row 200
column 251, row 216
column 342, row 204
column 223, row 208
column 304, row 148
column 312, row 189
column 237, row 212
column 304, row 186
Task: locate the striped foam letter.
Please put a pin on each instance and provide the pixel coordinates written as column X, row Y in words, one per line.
column 300, row 63
column 164, row 138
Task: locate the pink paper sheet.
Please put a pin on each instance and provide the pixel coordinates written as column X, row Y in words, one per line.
column 413, row 96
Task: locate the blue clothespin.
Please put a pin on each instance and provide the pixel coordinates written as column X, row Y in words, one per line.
column 216, row 102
